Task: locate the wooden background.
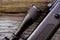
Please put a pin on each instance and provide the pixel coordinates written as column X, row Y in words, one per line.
column 20, row 5
column 9, row 22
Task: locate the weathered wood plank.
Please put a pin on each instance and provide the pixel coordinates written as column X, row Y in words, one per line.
column 9, row 23
column 19, row 5
column 24, row 1
column 2, row 35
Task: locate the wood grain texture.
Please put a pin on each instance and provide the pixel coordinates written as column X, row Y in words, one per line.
column 9, row 23
column 19, row 5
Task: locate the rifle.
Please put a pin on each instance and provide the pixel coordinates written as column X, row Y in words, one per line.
column 47, row 28
column 33, row 13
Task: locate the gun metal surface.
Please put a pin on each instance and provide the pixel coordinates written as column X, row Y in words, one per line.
column 48, row 26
